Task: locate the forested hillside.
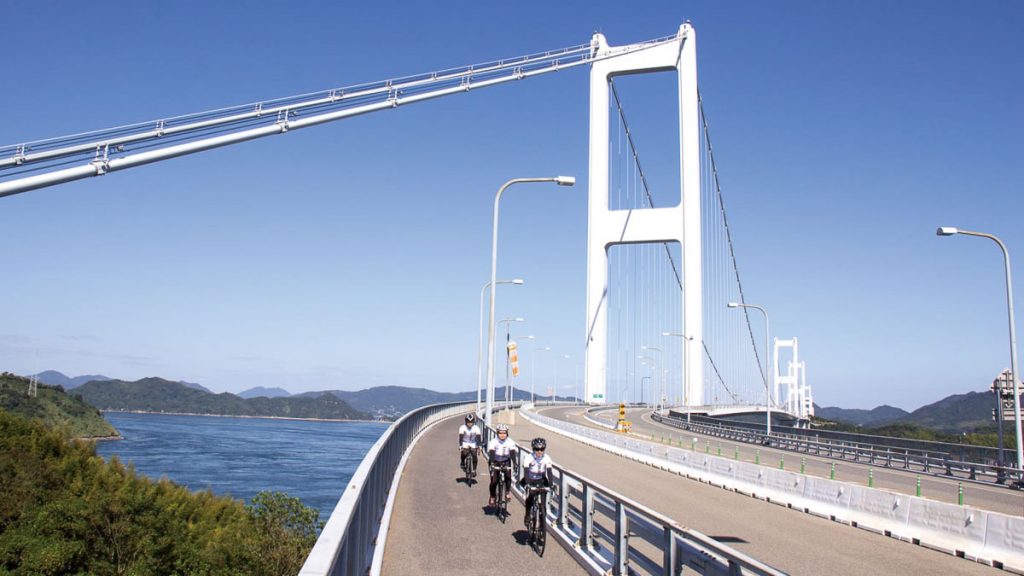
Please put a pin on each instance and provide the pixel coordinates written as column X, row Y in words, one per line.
column 53, row 407
column 63, row 510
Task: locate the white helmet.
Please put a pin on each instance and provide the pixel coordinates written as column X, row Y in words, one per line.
column 502, row 428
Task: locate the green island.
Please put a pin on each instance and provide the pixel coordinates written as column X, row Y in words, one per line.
column 159, row 395
column 53, row 407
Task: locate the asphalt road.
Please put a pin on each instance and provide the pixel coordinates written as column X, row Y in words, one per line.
column 442, row 526
column 984, row 496
column 790, row 540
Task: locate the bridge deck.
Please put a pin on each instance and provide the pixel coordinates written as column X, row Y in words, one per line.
column 789, row 540
column 440, row 526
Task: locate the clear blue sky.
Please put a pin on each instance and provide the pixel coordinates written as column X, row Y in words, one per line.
column 352, row 255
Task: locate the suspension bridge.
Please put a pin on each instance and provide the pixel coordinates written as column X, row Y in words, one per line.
column 665, row 312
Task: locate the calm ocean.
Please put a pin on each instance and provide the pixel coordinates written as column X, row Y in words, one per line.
column 239, row 457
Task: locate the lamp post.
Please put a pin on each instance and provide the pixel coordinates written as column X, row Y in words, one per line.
column 658, row 350
column 767, row 363
column 507, row 322
column 561, row 181
column 533, row 371
column 686, row 370
column 557, row 358
column 950, row 231
column 654, row 366
column 642, row 389
column 480, row 340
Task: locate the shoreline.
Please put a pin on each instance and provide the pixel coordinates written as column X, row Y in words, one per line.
column 105, row 411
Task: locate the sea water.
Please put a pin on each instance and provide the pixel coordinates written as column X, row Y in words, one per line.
column 240, row 457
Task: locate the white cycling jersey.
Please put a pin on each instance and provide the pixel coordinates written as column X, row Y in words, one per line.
column 536, row 468
column 502, row 450
column 470, row 437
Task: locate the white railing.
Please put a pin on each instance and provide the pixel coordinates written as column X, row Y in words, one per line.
column 347, row 543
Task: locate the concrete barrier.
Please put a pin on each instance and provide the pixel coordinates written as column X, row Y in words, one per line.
column 879, row 511
column 1004, row 540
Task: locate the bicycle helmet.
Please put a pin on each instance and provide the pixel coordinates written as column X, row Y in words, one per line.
column 539, row 444
column 502, row 428
column 470, row 418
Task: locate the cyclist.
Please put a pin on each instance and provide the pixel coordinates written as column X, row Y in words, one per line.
column 536, row 472
column 499, row 452
column 470, row 438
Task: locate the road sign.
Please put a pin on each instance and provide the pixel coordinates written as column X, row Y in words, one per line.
column 1001, row 385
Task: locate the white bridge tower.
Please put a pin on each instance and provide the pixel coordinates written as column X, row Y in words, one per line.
column 680, row 223
column 799, row 401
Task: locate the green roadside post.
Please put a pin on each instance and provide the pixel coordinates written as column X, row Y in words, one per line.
column 803, row 461
column 707, row 446
column 960, row 493
column 694, row 447
column 919, row 486
column 757, row 457
column 832, row 473
column 736, row 453
column 719, row 448
column 782, row 463
column 871, row 478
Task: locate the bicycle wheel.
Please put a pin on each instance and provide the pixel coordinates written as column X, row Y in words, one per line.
column 541, row 536
column 502, row 503
column 467, row 465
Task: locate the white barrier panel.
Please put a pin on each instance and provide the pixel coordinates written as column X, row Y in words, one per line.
column 880, row 511
column 1004, row 540
column 784, row 483
column 947, row 527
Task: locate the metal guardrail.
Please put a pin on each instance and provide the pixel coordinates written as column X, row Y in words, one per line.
column 928, row 462
column 347, row 543
column 610, row 533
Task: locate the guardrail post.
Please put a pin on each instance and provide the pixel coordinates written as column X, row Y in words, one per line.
column 587, row 521
column 563, row 500
column 949, row 468
column 668, row 543
column 888, row 457
column 621, row 540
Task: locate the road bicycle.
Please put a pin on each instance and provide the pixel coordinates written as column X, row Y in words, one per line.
column 502, row 499
column 470, row 469
column 536, row 522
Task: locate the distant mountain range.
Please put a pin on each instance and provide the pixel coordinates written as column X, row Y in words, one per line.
column 265, row 392
column 953, row 414
column 55, row 378
column 159, row 395
column 393, row 401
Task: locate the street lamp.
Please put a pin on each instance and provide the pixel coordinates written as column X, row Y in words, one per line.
column 507, row 322
column 767, row 362
column 642, row 389
column 686, row 370
column 654, row 366
column 480, row 340
column 561, row 181
column 533, row 371
column 949, row 231
column 659, row 350
column 557, row 358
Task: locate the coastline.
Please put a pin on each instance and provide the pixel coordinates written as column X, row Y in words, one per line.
column 105, row 410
